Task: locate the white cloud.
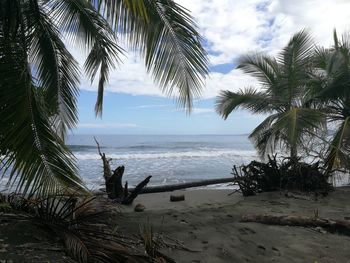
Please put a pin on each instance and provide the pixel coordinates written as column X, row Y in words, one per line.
column 232, row 28
column 234, row 80
column 130, row 78
column 151, row 106
column 236, row 27
column 202, row 110
column 107, row 125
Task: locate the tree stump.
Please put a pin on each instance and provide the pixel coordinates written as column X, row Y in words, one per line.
column 114, row 182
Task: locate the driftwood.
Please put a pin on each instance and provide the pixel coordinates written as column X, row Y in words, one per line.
column 174, row 187
column 124, row 195
column 331, row 225
column 114, row 181
column 177, row 198
column 135, row 192
column 257, row 177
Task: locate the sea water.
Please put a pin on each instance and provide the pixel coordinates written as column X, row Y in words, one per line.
column 167, row 158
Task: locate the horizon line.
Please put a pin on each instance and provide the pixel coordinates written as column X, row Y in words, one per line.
column 157, row 134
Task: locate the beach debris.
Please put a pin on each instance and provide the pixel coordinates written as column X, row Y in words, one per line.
column 297, row 196
column 262, row 247
column 113, row 182
column 320, row 230
column 177, row 198
column 153, row 243
column 275, row 249
column 124, row 195
column 181, row 186
column 246, row 231
column 139, row 208
column 257, row 177
column 77, row 225
column 330, row 225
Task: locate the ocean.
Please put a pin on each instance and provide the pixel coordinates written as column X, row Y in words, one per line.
column 168, row 158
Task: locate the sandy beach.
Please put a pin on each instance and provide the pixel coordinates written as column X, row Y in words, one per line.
column 206, row 228
column 208, row 224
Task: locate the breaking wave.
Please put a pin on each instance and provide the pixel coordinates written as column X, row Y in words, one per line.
column 187, row 154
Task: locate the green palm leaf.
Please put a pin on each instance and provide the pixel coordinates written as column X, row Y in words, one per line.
column 297, row 122
column 250, row 99
column 39, row 77
column 56, row 70
column 166, row 36
column 338, row 151
column 263, row 68
column 332, row 92
column 283, row 93
column 81, row 23
column 263, row 137
column 36, row 157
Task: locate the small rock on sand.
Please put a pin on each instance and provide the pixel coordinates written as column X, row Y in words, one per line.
column 139, row 208
column 177, row 198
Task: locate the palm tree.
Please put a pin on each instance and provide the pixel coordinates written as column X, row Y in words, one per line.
column 39, row 77
column 283, row 84
column 331, row 90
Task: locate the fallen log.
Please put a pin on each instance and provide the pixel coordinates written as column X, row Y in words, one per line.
column 174, row 187
column 115, row 189
column 331, row 225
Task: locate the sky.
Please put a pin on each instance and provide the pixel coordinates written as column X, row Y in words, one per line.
column 133, row 104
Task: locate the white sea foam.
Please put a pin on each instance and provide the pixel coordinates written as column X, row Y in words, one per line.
column 188, row 154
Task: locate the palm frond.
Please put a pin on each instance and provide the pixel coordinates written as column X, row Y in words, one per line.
column 296, row 122
column 295, row 60
column 36, row 157
column 335, row 39
column 166, row 35
column 338, row 151
column 250, row 99
column 174, row 53
column 79, row 225
column 264, row 68
column 263, row 137
column 82, row 24
column 56, row 70
column 333, row 68
column 297, row 52
column 39, row 77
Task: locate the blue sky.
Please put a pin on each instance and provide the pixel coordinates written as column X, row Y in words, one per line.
column 231, row 28
column 129, row 114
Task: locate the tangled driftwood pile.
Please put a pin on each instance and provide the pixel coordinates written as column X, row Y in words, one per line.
column 273, row 175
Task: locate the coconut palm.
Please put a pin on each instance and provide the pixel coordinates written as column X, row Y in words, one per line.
column 331, row 90
column 281, row 95
column 39, row 77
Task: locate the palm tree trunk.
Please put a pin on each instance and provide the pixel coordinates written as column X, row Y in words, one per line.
column 293, row 154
